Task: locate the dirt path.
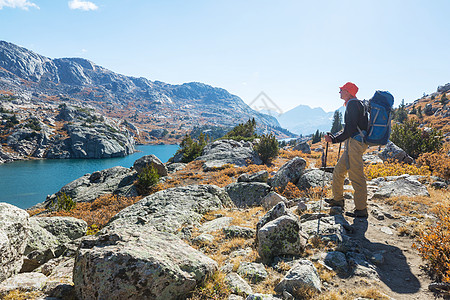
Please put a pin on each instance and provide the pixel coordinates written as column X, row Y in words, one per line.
column 400, row 274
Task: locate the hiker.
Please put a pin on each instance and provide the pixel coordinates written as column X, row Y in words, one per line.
column 351, row 161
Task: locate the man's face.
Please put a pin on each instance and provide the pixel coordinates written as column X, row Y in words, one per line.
column 344, row 94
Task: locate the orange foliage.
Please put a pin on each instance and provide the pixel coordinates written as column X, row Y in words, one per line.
column 291, row 191
column 439, row 163
column 99, row 211
column 290, row 154
column 433, row 245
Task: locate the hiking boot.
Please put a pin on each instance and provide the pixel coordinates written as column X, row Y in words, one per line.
column 358, row 213
column 332, row 202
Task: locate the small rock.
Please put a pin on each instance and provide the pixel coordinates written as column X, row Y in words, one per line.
column 215, row 225
column 203, row 238
column 237, row 231
column 386, row 230
column 303, row 273
column 24, row 282
column 377, row 214
column 337, row 261
column 238, row 285
column 255, row 272
column 272, row 199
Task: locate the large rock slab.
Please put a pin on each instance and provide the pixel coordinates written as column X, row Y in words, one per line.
column 261, row 176
column 138, row 265
column 14, row 227
column 150, row 160
column 303, row 147
column 228, row 152
column 116, row 180
column 314, row 178
column 49, row 232
column 245, row 194
column 400, row 186
column 289, row 172
column 100, row 141
column 393, row 152
column 170, row 209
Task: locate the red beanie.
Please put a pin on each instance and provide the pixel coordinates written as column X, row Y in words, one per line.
column 351, row 88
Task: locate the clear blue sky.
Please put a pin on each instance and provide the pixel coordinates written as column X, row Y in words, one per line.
column 297, row 52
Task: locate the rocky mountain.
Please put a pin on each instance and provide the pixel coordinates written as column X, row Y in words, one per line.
column 48, row 130
column 305, row 120
column 134, row 99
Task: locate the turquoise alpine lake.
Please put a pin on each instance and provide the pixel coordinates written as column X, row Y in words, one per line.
column 26, row 183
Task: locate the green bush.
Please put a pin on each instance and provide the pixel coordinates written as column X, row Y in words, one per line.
column 243, row 131
column 34, row 124
column 414, row 140
column 147, row 178
column 267, row 148
column 63, row 202
column 191, row 149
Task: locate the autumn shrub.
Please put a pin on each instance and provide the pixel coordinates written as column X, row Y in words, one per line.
column 290, row 191
column 414, row 140
column 63, row 202
column 147, row 178
column 438, row 163
column 433, row 245
column 267, row 148
column 390, row 168
column 98, row 212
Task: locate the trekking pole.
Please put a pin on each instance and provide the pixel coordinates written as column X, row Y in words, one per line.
column 339, row 152
column 324, row 166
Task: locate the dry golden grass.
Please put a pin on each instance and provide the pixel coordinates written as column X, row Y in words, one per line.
column 214, row 288
column 98, row 212
column 419, row 205
column 394, row 169
column 268, row 285
column 325, row 274
column 344, row 294
column 22, row 295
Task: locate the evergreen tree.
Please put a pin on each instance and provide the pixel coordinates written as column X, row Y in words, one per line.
column 316, row 137
column 337, row 122
column 401, row 114
column 413, row 110
column 444, row 99
column 419, row 112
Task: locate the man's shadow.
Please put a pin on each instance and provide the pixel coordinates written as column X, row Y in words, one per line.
column 394, row 270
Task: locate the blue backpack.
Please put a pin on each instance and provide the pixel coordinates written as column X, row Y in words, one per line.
column 379, row 108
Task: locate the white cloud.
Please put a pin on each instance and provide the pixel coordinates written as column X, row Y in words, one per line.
column 23, row 4
column 83, row 5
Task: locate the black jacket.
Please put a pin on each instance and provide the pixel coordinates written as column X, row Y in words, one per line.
column 354, row 118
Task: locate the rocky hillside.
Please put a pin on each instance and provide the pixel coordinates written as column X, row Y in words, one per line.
column 432, row 110
column 239, row 230
column 45, row 129
column 159, row 110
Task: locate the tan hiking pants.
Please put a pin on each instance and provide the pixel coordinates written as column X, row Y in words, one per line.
column 351, row 162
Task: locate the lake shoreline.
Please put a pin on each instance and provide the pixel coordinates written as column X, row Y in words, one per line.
column 28, row 182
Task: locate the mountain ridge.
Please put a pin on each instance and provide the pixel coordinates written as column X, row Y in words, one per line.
column 22, row 70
